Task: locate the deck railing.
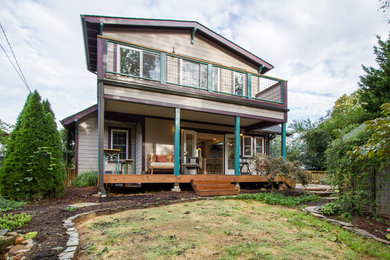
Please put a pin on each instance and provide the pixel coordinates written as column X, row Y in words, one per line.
column 128, row 61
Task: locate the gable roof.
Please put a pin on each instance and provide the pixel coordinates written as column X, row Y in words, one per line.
column 93, row 24
column 70, row 119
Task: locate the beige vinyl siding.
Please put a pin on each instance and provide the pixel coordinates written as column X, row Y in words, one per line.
column 87, row 144
column 192, row 103
column 179, row 42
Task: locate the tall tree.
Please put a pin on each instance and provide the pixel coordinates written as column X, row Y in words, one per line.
column 374, row 86
column 33, row 167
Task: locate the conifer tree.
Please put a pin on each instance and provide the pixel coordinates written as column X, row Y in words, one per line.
column 33, row 167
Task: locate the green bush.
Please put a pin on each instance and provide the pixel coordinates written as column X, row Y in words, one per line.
column 276, row 198
column 33, row 167
column 31, row 235
column 14, row 221
column 6, row 205
column 330, row 208
column 85, row 179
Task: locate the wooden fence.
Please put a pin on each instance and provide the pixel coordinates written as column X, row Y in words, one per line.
column 315, row 177
column 70, row 174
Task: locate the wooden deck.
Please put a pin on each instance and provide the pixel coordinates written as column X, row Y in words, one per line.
column 170, row 178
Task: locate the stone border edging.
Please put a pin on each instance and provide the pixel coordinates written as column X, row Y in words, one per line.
column 69, row 224
column 314, row 210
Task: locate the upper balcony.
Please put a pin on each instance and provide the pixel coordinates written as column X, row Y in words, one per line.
column 131, row 62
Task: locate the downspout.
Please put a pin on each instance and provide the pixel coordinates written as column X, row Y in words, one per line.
column 76, row 148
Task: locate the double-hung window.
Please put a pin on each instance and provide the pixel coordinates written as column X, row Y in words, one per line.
column 193, row 74
column 216, row 81
column 259, row 145
column 139, row 63
column 120, row 140
column 247, row 146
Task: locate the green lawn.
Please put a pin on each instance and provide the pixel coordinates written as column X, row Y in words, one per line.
column 222, row 229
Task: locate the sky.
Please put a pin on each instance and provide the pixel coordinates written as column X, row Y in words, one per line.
column 318, row 46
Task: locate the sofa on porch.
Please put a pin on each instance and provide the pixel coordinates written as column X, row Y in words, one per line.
column 161, row 162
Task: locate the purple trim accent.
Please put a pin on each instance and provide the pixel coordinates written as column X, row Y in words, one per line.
column 76, row 149
column 162, row 88
column 101, row 57
column 115, row 57
column 110, row 128
column 89, row 21
column 79, row 115
column 164, row 104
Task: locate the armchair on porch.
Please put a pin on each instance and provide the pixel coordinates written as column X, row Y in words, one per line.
column 160, row 162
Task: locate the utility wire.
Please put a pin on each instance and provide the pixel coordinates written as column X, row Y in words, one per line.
column 20, row 72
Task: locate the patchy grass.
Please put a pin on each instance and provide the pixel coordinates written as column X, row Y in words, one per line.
column 222, row 229
column 7, row 205
column 275, row 198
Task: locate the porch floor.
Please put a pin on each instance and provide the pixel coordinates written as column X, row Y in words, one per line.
column 170, row 178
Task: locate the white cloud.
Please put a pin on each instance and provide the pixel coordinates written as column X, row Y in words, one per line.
column 318, row 46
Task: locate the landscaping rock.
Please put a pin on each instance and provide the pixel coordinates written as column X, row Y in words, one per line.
column 17, row 250
column 29, row 243
column 67, row 256
column 12, row 234
column 19, row 240
column 3, row 232
column 6, row 241
column 72, row 242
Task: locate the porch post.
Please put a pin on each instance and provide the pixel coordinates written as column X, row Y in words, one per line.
column 237, row 147
column 176, row 170
column 101, row 139
column 283, row 141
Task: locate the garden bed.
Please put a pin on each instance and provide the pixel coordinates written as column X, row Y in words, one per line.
column 48, row 215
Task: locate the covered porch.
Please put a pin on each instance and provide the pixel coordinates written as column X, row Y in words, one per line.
column 178, row 124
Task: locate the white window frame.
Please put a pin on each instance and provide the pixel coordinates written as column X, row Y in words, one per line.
column 255, row 143
column 141, row 60
column 127, row 140
column 243, row 146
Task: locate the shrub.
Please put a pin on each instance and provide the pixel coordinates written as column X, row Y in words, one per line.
column 6, row 205
column 70, row 209
column 33, row 167
column 30, row 235
column 14, row 221
column 280, row 166
column 85, row 179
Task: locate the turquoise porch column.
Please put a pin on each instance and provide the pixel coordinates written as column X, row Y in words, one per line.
column 283, row 141
column 176, row 154
column 237, row 146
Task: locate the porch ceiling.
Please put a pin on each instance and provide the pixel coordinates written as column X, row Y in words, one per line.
column 166, row 112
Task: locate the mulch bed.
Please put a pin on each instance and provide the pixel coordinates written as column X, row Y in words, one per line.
column 48, row 215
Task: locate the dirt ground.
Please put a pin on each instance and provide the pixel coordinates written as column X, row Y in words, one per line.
column 48, row 215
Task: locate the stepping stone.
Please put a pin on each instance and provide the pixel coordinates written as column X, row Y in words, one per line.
column 83, row 204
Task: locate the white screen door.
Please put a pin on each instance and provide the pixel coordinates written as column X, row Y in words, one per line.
column 229, row 154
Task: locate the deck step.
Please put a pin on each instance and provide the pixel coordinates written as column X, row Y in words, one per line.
column 214, row 188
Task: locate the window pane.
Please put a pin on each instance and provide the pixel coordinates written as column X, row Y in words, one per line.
column 129, row 61
column 190, row 73
column 239, row 82
column 259, row 145
column 203, row 76
column 247, row 146
column 151, row 66
column 119, row 141
column 215, row 79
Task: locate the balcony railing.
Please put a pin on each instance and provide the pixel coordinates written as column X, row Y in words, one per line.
column 132, row 61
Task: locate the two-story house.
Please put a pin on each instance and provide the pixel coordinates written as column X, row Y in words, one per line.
column 176, row 98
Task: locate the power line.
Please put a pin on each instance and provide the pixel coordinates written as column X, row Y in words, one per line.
column 20, row 72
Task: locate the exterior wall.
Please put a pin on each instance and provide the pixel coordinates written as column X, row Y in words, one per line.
column 189, row 102
column 179, row 42
column 88, row 143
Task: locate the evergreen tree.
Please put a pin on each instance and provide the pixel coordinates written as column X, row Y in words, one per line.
column 33, row 167
column 375, row 85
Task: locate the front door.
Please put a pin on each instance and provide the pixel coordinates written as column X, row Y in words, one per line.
column 229, row 154
column 189, row 146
